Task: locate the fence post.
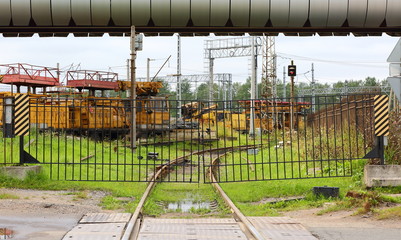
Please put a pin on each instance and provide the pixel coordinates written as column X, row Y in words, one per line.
column 380, row 145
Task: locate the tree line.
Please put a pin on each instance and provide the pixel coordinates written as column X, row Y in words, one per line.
column 241, row 91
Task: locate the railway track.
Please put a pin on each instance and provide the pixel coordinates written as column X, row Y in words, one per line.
column 133, row 227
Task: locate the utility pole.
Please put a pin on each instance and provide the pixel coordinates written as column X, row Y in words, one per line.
column 133, row 90
column 128, row 70
column 179, row 93
column 253, row 90
column 313, row 89
column 284, row 85
column 269, row 63
column 211, row 66
column 148, row 69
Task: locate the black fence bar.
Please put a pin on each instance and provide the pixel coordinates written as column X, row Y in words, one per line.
column 87, row 139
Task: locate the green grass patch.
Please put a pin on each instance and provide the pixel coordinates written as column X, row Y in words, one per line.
column 249, row 196
column 111, row 203
column 8, row 196
column 81, row 195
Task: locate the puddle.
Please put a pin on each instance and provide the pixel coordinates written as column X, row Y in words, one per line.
column 6, row 233
column 186, row 206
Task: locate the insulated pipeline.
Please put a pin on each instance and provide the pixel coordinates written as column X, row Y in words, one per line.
column 378, row 15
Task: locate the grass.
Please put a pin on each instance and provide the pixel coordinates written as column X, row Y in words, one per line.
column 8, row 196
column 300, row 155
column 249, row 196
column 82, row 159
column 81, row 195
column 111, row 203
column 390, row 213
column 362, row 202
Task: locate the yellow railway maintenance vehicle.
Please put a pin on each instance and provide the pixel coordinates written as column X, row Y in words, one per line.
column 98, row 116
column 212, row 116
column 152, row 111
column 269, row 115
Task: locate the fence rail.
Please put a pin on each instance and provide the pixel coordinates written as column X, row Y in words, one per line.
column 87, row 139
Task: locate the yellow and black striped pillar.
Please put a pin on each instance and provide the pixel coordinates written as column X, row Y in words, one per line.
column 381, row 115
column 21, row 114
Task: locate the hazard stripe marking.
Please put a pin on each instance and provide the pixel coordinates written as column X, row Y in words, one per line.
column 381, row 115
column 21, row 115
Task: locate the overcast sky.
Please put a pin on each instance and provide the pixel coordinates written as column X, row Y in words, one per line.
column 335, row 58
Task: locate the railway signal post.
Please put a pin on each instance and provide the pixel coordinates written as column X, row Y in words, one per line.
column 292, row 72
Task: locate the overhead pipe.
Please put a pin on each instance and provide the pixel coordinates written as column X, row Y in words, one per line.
column 199, row 16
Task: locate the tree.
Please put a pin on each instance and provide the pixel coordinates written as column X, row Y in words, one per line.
column 243, row 90
column 186, row 92
column 166, row 89
column 202, row 92
column 371, row 81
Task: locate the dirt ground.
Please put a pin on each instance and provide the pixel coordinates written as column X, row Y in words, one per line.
column 309, row 218
column 343, row 225
column 51, row 202
column 36, row 203
column 67, row 202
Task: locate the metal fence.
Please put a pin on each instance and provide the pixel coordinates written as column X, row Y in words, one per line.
column 88, row 139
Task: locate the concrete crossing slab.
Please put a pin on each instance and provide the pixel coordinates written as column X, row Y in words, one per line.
column 190, row 229
column 106, row 218
column 103, row 231
column 280, row 228
column 99, row 226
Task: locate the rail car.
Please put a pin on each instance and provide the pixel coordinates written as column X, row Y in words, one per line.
column 269, row 115
column 68, row 110
column 100, row 117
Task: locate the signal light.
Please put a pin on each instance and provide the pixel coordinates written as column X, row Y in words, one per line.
column 292, row 70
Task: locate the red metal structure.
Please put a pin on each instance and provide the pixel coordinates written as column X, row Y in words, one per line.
column 277, row 103
column 21, row 74
column 92, row 80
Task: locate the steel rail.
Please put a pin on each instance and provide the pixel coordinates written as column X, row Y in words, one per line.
column 132, row 229
column 248, row 225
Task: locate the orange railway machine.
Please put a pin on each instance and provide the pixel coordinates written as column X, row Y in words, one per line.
column 92, row 80
column 31, row 76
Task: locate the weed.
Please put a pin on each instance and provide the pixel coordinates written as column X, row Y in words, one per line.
column 390, row 213
column 337, row 206
column 82, row 195
column 200, row 211
column 363, row 201
column 111, row 203
column 393, row 150
column 153, row 209
column 8, row 196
